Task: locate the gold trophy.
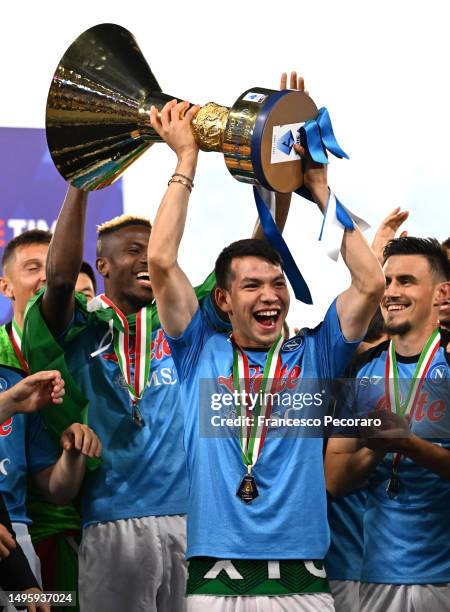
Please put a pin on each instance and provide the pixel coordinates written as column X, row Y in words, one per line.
column 98, row 117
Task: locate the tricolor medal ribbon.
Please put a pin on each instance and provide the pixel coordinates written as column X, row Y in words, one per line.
column 15, row 336
column 392, row 392
column 136, row 385
column 253, row 429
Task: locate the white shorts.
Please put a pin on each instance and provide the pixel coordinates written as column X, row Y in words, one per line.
column 404, row 597
column 309, row 602
column 134, row 565
column 345, row 594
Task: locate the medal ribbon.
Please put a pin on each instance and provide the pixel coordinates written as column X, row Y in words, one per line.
column 142, row 346
column 392, row 383
column 15, row 336
column 253, row 436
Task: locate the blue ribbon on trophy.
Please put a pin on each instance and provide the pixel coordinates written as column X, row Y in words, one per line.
column 317, row 137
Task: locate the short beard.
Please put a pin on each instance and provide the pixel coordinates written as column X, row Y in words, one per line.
column 398, row 330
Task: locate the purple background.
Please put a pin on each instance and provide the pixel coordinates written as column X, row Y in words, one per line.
column 32, row 191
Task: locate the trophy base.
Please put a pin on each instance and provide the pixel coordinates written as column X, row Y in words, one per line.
column 261, row 130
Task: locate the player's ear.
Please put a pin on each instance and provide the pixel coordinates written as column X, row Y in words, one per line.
column 102, row 265
column 6, row 287
column 222, row 299
column 442, row 291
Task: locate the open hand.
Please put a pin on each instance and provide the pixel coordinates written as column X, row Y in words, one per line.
column 387, row 230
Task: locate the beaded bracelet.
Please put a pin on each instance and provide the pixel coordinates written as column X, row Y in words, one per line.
column 180, row 180
column 184, row 176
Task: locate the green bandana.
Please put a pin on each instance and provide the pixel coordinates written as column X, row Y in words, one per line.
column 42, row 352
column 8, row 356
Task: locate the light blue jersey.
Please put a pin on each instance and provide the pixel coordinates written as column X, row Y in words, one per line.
column 288, row 519
column 407, row 538
column 143, row 469
column 345, row 516
column 25, row 448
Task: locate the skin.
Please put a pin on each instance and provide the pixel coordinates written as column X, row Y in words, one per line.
column 408, row 305
column 355, row 306
column 348, row 462
column 124, row 257
column 84, row 285
column 23, row 276
column 7, row 543
column 32, row 393
column 60, row 482
column 256, row 286
column 387, row 230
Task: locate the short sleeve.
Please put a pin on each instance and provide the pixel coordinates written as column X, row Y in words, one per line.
column 333, row 350
column 41, row 450
column 186, row 348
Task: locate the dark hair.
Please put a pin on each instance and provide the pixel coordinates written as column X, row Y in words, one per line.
column 446, row 244
column 427, row 247
column 250, row 247
column 34, row 236
column 105, row 230
column 87, row 269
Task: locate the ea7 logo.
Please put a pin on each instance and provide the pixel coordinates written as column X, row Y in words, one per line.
column 365, row 381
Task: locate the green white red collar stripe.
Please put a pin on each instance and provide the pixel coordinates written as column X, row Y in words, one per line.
column 15, row 336
column 142, row 347
column 392, row 389
column 252, row 434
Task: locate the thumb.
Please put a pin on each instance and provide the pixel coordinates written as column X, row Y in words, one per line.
column 67, row 441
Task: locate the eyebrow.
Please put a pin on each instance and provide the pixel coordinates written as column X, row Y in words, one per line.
column 249, row 279
column 135, row 243
column 404, row 277
column 33, row 260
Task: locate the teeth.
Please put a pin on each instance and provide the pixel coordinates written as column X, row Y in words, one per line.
column 391, row 307
column 144, row 275
column 267, row 313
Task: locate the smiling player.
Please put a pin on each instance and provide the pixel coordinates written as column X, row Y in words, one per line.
column 406, row 526
column 283, row 518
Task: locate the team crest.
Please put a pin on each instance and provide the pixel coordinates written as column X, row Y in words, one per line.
column 292, row 345
column 438, row 373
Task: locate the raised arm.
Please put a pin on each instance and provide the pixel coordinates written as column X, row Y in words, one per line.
column 387, row 230
column 357, row 305
column 177, row 302
column 64, row 260
column 282, row 200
